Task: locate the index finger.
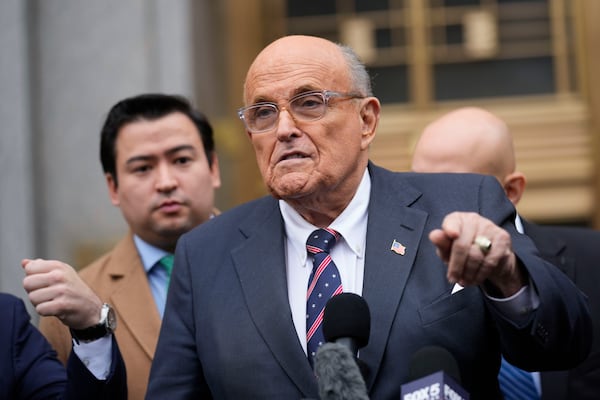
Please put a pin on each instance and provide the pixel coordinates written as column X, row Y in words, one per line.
column 462, row 227
column 38, row 266
column 452, row 225
column 442, row 242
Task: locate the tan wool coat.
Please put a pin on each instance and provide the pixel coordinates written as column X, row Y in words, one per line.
column 119, row 279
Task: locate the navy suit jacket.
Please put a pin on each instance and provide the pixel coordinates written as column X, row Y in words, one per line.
column 576, row 252
column 228, row 332
column 29, row 368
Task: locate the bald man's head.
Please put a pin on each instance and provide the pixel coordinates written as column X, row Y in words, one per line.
column 469, row 139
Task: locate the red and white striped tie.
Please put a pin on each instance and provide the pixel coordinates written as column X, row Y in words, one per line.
column 324, row 283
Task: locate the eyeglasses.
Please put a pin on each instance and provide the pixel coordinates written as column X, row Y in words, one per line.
column 304, row 107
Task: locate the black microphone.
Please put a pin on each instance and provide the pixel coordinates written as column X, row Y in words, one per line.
column 347, row 320
column 433, row 375
column 346, row 328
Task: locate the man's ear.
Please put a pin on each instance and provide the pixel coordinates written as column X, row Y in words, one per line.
column 369, row 116
column 113, row 189
column 215, row 172
column 514, row 186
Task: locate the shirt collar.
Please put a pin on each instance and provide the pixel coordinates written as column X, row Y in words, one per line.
column 351, row 223
column 149, row 254
column 519, row 224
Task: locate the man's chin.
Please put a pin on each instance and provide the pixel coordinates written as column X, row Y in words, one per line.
column 173, row 231
column 289, row 189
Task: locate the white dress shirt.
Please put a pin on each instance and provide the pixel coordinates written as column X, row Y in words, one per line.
column 348, row 253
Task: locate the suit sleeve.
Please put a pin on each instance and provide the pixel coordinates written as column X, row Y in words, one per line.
column 30, row 369
column 558, row 334
column 58, row 335
column 36, row 373
column 82, row 384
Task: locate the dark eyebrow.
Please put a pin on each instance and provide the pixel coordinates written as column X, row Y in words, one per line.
column 169, row 152
column 181, row 148
column 260, row 100
column 296, row 92
column 139, row 158
column 305, row 89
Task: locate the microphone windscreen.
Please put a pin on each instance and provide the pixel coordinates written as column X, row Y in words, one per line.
column 347, row 316
column 337, row 374
column 431, row 359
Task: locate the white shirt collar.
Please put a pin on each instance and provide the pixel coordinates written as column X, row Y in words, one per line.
column 351, row 223
column 519, row 224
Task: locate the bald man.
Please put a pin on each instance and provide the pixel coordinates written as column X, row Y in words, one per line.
column 470, row 140
column 475, row 140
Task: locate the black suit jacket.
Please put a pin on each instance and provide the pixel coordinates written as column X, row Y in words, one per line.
column 576, row 252
column 228, row 332
column 29, row 368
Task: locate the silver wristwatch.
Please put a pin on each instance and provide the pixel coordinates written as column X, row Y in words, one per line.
column 106, row 326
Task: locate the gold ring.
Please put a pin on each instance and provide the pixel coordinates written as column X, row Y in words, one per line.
column 483, row 243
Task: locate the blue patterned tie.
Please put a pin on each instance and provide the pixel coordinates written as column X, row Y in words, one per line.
column 515, row 383
column 323, row 284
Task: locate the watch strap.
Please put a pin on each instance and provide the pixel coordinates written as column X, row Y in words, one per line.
column 97, row 331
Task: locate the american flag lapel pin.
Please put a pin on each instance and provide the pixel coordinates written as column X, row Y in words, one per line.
column 398, row 247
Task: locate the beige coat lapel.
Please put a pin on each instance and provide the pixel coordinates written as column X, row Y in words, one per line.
column 132, row 297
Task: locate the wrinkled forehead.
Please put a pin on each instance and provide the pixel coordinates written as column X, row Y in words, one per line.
column 295, row 64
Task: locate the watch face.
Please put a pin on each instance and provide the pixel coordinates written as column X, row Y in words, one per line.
column 106, row 325
column 111, row 319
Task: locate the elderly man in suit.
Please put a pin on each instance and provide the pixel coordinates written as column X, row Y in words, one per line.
column 436, row 257
column 471, row 139
column 161, row 170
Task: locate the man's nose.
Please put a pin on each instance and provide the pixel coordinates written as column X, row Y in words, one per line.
column 165, row 181
column 286, row 125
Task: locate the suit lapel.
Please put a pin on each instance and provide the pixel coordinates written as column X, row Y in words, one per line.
column 386, row 272
column 260, row 264
column 132, row 297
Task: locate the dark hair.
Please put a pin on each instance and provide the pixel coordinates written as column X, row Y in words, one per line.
column 150, row 106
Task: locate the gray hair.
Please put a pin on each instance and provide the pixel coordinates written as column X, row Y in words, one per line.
column 358, row 72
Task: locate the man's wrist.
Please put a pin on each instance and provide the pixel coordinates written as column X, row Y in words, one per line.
column 508, row 285
column 105, row 326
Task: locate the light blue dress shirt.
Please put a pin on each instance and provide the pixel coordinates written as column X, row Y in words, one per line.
column 157, row 276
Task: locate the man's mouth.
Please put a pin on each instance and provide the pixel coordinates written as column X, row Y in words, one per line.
column 170, row 206
column 293, row 156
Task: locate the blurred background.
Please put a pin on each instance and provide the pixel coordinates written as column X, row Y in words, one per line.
column 64, row 63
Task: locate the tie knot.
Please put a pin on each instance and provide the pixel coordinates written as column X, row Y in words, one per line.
column 321, row 240
column 167, row 263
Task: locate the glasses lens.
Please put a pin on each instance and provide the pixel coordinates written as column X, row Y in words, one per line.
column 308, row 106
column 261, row 117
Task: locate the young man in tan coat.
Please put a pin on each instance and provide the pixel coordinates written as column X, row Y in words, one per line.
column 161, row 170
